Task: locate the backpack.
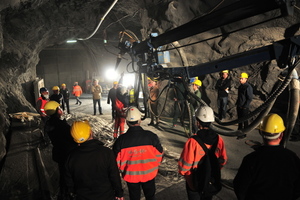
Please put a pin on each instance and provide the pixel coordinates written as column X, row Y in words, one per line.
column 207, row 176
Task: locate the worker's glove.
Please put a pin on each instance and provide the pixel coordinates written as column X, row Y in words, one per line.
column 119, row 198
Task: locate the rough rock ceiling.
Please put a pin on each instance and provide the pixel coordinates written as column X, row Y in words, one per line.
column 29, row 26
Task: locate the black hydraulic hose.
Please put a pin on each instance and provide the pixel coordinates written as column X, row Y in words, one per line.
column 160, row 93
column 242, row 133
column 164, row 105
column 144, row 95
column 292, row 110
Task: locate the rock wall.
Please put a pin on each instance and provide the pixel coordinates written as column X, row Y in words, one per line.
column 28, row 26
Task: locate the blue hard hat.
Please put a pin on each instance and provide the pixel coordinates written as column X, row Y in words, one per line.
column 43, row 89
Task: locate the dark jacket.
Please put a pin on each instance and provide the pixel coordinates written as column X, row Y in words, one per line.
column 61, row 139
column 57, row 97
column 92, row 172
column 222, row 85
column 245, row 95
column 112, row 96
column 271, row 172
column 65, row 93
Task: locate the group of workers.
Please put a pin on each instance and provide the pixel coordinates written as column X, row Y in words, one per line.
column 88, row 170
column 59, row 94
column 223, row 87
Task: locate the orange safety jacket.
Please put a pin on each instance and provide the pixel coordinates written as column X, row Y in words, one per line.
column 119, row 107
column 138, row 154
column 193, row 152
column 77, row 91
column 41, row 109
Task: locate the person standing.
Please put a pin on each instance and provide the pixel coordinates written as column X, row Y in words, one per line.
column 223, row 85
column 112, row 98
column 66, row 95
column 56, row 95
column 152, row 102
column 62, row 142
column 192, row 152
column 77, row 92
column 91, row 168
column 40, row 103
column 138, row 153
column 245, row 96
column 96, row 91
column 122, row 102
column 194, row 103
column 272, row 171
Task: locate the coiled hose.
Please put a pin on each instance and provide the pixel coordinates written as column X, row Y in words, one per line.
column 293, row 107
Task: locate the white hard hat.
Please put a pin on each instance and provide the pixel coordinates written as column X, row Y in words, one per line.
column 133, row 114
column 205, row 114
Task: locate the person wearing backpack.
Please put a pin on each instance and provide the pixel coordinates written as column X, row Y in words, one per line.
column 197, row 155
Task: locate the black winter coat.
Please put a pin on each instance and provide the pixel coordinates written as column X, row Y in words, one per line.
column 245, row 95
column 222, row 85
column 61, row 139
column 92, row 172
column 271, row 172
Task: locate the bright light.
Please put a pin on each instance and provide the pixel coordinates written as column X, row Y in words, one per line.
column 128, row 80
column 111, row 75
column 71, row 41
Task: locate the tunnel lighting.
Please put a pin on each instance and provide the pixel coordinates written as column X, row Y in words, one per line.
column 71, row 41
column 111, row 74
column 128, row 80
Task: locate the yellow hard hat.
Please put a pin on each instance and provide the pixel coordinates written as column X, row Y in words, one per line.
column 244, row 75
column 197, row 82
column 55, row 88
column 51, row 107
column 115, row 82
column 225, row 71
column 63, row 84
column 81, row 131
column 271, row 126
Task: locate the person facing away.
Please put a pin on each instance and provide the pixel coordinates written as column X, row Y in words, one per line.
column 91, row 168
column 271, row 171
column 77, row 92
column 40, row 103
column 223, row 85
column 112, row 98
column 56, row 95
column 192, row 152
column 58, row 131
column 96, row 91
column 66, row 96
column 195, row 104
column 245, row 96
column 153, row 94
column 138, row 153
column 122, row 102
